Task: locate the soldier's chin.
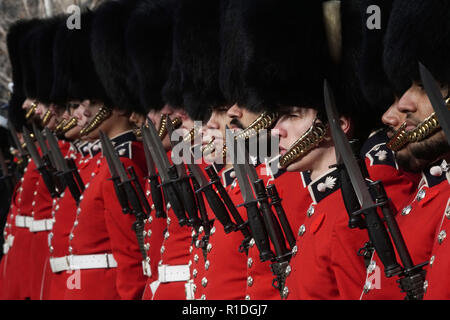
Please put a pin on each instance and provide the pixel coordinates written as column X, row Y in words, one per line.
column 73, row 134
column 417, row 156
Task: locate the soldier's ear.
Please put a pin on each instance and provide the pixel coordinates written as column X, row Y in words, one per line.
column 345, row 124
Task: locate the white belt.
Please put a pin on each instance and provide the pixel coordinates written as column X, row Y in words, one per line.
column 80, row 262
column 167, row 273
column 23, row 221
column 41, row 225
column 8, row 243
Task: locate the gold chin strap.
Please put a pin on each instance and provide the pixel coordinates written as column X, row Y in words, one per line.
column 47, row 117
column 264, row 121
column 191, row 135
column 308, row 141
column 60, row 126
column 137, row 132
column 163, row 126
column 31, row 111
column 399, row 139
column 423, row 130
column 103, row 114
column 69, row 125
column 211, row 147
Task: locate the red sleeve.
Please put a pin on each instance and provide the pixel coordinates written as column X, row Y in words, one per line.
column 130, row 281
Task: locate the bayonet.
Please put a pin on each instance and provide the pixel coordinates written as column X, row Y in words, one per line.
column 134, row 196
column 184, row 186
column 118, row 187
column 69, row 176
column 155, row 189
column 254, row 218
column 377, row 232
column 48, row 157
column 162, row 163
column 273, row 228
column 434, row 94
column 375, row 227
column 46, row 176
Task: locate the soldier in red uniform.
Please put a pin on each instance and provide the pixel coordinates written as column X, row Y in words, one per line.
column 42, row 46
column 15, row 265
column 101, row 252
column 420, row 219
column 324, row 264
column 71, row 91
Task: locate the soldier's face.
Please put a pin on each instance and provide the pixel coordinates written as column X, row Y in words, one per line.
column 76, row 110
column 393, row 119
column 415, row 106
column 27, row 104
column 137, row 119
column 57, row 116
column 41, row 109
column 215, row 128
column 289, row 128
column 155, row 117
column 240, row 118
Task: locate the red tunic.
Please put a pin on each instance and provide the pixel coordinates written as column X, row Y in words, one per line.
column 102, row 229
column 42, row 210
column 418, row 222
column 155, row 228
column 64, row 211
column 437, row 280
column 174, row 252
column 325, row 265
column 226, row 272
column 16, row 265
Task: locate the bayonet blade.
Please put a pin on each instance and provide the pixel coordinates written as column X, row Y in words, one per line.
column 105, row 151
column 115, row 161
column 40, row 138
column 251, row 170
column 148, row 156
column 158, row 152
column 60, row 162
column 32, row 150
column 198, row 175
column 435, row 96
column 343, row 148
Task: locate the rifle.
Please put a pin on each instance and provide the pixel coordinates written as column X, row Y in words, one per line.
column 67, row 170
column 411, row 276
column 134, row 196
column 40, row 165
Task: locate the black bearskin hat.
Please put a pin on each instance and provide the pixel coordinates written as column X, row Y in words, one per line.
column 74, row 73
column 276, row 53
column 374, row 83
column 108, row 50
column 149, row 47
column 197, row 52
column 41, row 52
column 15, row 43
column 417, row 31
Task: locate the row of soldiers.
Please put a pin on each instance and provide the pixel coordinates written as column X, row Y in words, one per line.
column 354, row 203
